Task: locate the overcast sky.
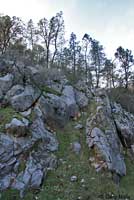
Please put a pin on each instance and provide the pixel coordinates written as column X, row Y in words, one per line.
column 109, row 21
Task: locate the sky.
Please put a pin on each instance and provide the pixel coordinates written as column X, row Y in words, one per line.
column 109, row 21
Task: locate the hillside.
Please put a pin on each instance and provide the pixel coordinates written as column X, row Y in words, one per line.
column 62, row 141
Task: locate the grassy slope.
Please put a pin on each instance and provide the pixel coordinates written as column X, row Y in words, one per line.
column 58, row 185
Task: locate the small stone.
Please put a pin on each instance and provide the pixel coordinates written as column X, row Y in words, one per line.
column 83, row 185
column 91, row 159
column 73, row 178
column 76, row 146
column 78, row 126
column 92, row 178
column 82, row 180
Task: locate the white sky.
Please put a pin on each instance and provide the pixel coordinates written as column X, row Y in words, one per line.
column 109, row 21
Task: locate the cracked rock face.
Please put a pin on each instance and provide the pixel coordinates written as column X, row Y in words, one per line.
column 125, row 125
column 102, row 136
column 24, row 161
column 81, row 99
column 6, row 82
column 69, row 98
column 23, row 101
column 54, row 109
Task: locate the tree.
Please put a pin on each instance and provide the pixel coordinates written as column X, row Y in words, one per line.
column 126, row 60
column 98, row 60
column 86, row 49
column 49, row 32
column 58, row 40
column 10, row 30
column 74, row 51
column 31, row 33
column 109, row 73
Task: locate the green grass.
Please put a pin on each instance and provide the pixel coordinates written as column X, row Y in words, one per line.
column 6, row 115
column 50, row 90
column 96, row 186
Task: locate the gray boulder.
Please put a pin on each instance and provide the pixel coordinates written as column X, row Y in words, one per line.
column 50, row 142
column 81, row 99
column 15, row 90
column 78, row 126
column 6, row 82
column 54, row 109
column 36, row 179
column 76, row 147
column 68, row 96
column 6, row 154
column 26, row 99
column 5, row 182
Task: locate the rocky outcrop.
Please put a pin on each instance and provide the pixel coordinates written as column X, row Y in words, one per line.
column 84, row 88
column 81, row 99
column 102, row 136
column 68, row 96
column 54, row 109
column 15, row 90
column 6, row 83
column 124, row 122
column 25, row 100
column 25, row 160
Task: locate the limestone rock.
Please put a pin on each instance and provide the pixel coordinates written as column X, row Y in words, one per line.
column 81, row 99
column 54, row 109
column 6, row 82
column 26, row 99
column 69, row 98
column 76, row 146
column 103, row 137
column 73, row 178
column 125, row 124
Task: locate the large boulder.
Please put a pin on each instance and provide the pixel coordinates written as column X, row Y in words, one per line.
column 15, row 90
column 54, row 109
column 102, row 136
column 68, row 96
column 6, row 83
column 23, row 101
column 6, row 154
column 81, row 99
column 40, row 132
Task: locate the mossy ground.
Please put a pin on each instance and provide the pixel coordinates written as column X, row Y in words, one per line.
column 96, row 186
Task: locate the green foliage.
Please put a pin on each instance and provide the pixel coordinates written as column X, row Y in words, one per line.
column 50, row 90
column 126, row 59
column 6, row 115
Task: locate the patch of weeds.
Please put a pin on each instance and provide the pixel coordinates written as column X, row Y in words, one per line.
column 22, row 166
column 50, row 90
column 6, row 115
